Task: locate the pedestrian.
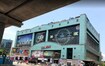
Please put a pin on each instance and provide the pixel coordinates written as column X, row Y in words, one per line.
column 17, row 58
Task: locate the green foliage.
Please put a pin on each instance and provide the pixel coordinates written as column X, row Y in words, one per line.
column 102, row 63
column 3, row 51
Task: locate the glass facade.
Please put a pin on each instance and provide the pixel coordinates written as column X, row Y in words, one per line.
column 91, row 41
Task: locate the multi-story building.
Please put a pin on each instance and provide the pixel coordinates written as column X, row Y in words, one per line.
column 74, row 38
column 6, row 44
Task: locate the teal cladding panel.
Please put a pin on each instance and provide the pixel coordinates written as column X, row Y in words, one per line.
column 82, row 30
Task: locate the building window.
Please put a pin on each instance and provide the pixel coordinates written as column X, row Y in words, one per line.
column 74, row 48
column 59, row 24
column 92, row 43
column 52, row 25
column 77, row 20
column 92, row 56
column 67, row 22
column 39, row 28
column 63, row 56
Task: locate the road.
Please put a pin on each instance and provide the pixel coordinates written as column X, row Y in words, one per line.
column 24, row 64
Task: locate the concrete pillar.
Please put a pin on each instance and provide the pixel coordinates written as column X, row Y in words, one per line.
column 2, row 26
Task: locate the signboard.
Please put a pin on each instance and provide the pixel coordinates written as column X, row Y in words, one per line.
column 45, row 47
column 48, row 53
column 52, row 53
column 65, row 35
column 19, row 51
column 40, row 37
column 24, row 40
column 37, row 53
column 15, row 50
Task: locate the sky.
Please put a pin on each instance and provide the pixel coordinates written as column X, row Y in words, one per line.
column 95, row 11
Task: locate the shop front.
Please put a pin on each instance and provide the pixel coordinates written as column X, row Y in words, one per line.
column 46, row 52
column 19, row 53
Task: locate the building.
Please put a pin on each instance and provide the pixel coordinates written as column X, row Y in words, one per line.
column 6, row 44
column 74, row 38
column 14, row 12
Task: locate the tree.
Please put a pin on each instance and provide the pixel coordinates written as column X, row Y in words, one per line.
column 3, row 51
column 102, row 63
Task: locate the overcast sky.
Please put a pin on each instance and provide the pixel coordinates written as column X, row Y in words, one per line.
column 94, row 10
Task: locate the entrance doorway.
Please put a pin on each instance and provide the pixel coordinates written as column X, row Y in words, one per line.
column 69, row 53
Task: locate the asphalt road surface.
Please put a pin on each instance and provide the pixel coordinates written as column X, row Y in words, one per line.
column 24, row 64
